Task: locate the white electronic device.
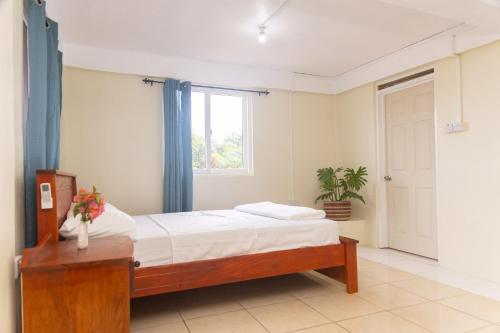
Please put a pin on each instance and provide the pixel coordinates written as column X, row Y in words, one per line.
column 46, row 196
column 455, row 126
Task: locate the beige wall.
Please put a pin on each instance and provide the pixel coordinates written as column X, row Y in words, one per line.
column 111, row 137
column 467, row 183
column 110, row 130
column 356, row 146
column 468, row 164
column 313, row 143
column 10, row 106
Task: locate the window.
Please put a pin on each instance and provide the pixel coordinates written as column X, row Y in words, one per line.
column 221, row 132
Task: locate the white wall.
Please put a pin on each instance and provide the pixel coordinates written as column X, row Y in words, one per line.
column 467, row 162
column 10, row 105
column 112, row 137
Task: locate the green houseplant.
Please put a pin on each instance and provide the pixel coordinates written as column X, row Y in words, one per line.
column 338, row 186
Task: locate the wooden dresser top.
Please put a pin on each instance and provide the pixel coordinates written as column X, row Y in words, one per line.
column 57, row 255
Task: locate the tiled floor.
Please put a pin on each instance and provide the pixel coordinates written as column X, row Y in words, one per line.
column 389, row 300
column 432, row 270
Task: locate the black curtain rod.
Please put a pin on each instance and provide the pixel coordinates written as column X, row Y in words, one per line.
column 260, row 92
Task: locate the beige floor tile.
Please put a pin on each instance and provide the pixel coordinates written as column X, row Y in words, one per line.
column 311, row 291
column 232, row 322
column 364, row 265
column 206, row 302
column 488, row 329
column 258, row 294
column 440, row 318
column 367, row 281
column 308, row 285
column 389, row 297
column 287, row 316
column 339, row 306
column 388, row 274
column 328, row 328
column 481, row 307
column 165, row 328
column 153, row 311
column 326, row 280
column 428, row 289
column 259, row 298
column 383, row 322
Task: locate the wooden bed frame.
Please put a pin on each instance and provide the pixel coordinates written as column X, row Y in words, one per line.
column 337, row 261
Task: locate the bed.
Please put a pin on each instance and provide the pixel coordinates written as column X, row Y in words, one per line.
column 169, row 258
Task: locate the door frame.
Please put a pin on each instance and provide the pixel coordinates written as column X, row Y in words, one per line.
column 381, row 189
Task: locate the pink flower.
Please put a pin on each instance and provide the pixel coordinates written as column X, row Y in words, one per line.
column 89, row 204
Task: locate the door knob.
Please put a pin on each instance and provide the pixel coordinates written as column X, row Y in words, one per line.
column 387, row 178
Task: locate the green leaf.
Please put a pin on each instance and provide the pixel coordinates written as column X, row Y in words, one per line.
column 337, row 188
column 352, row 195
column 355, row 179
column 325, row 196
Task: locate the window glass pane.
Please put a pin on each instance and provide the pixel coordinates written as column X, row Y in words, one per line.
column 198, row 129
column 227, row 131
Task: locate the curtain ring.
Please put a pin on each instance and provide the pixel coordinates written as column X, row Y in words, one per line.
column 47, row 24
column 38, row 2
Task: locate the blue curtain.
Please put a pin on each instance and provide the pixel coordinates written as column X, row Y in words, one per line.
column 42, row 128
column 54, row 74
column 187, row 154
column 177, row 168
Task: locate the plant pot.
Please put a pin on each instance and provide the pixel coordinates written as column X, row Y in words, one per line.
column 338, row 210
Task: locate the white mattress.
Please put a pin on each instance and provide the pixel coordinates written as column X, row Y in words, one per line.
column 183, row 237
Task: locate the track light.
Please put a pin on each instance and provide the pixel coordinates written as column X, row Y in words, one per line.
column 262, row 34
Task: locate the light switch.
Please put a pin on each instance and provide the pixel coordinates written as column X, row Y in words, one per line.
column 456, row 126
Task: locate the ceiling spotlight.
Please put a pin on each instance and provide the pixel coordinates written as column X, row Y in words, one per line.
column 262, row 34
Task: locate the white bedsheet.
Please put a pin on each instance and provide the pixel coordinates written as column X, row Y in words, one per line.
column 185, row 237
column 152, row 246
column 282, row 212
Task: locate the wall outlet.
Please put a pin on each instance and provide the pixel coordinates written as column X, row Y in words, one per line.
column 17, row 266
column 455, row 126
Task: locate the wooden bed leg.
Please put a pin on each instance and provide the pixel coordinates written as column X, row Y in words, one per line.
column 351, row 268
column 348, row 273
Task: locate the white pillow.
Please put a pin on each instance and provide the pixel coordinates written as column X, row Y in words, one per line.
column 112, row 222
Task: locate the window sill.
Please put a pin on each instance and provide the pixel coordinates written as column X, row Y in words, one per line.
column 223, row 174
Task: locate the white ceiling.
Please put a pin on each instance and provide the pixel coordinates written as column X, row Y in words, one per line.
column 320, row 37
column 344, row 43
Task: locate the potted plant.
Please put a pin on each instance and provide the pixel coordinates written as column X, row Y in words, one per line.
column 337, row 187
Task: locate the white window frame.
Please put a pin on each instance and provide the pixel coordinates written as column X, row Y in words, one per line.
column 247, row 130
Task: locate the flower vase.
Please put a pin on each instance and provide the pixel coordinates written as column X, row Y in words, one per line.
column 83, row 236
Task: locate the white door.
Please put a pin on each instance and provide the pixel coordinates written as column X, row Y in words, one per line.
column 411, row 190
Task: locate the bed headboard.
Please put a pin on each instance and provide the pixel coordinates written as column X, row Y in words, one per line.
column 63, row 188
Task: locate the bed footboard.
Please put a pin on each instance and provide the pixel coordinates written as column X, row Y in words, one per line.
column 337, row 261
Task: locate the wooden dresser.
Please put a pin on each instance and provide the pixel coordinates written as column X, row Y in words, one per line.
column 69, row 290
